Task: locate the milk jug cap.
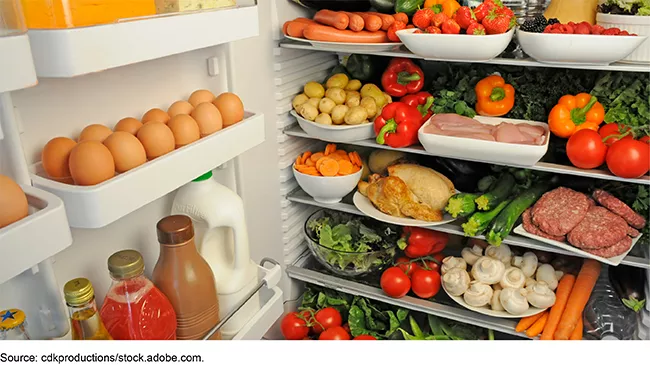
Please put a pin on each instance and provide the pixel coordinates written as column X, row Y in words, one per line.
column 203, row 177
column 126, row 264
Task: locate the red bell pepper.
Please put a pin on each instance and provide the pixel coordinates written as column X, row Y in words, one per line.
column 398, row 125
column 419, row 242
column 402, row 77
column 423, row 101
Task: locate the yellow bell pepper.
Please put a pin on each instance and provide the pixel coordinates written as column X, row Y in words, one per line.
column 448, row 7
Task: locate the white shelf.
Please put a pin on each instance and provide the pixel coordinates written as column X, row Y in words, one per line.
column 296, row 131
column 79, row 51
column 31, row 240
column 16, row 65
column 99, row 205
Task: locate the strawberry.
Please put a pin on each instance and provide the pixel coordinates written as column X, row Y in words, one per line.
column 476, row 29
column 586, row 24
column 548, row 28
column 438, row 19
column 433, row 30
column 557, row 25
column 557, row 31
column 450, row 27
column 397, row 25
column 464, row 16
column 597, row 29
column 582, row 29
column 422, row 18
column 611, row 31
column 496, row 23
column 566, row 29
column 481, row 11
column 624, row 32
column 572, row 24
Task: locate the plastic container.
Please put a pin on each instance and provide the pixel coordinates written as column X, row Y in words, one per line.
column 633, row 24
column 335, row 133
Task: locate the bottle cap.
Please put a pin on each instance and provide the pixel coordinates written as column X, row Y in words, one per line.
column 11, row 318
column 78, row 291
column 126, row 264
column 175, row 229
column 203, row 177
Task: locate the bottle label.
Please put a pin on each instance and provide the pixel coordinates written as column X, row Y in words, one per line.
column 190, row 210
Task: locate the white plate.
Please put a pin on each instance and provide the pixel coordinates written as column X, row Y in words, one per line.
column 365, row 206
column 492, row 313
column 335, row 133
column 352, row 47
column 613, row 261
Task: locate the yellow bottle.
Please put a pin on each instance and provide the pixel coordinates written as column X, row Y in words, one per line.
column 84, row 317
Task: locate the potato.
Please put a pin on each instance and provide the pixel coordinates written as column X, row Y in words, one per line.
column 323, row 118
column 352, row 99
column 388, row 100
column 356, row 115
column 338, row 114
column 298, row 100
column 314, row 101
column 336, row 94
column 375, row 92
column 326, row 105
column 370, row 105
column 314, row 90
column 338, row 80
column 353, row 85
column 308, row 111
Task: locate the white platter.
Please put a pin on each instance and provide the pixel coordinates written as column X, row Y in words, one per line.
column 351, row 47
column 492, row 313
column 335, row 133
column 613, row 261
column 485, row 151
column 365, row 206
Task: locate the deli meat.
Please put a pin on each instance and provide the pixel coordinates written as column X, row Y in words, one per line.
column 618, row 248
column 618, row 207
column 599, row 229
column 455, row 125
column 560, row 210
column 531, row 228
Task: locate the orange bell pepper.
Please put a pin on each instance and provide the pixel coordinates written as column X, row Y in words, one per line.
column 573, row 113
column 448, row 7
column 494, row 97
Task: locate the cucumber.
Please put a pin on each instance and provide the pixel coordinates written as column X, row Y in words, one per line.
column 408, row 6
column 499, row 191
column 461, row 204
column 480, row 221
column 503, row 223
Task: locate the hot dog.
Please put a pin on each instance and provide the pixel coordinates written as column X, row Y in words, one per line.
column 387, row 19
column 335, row 19
column 285, row 26
column 296, row 29
column 372, row 22
column 304, row 20
column 317, row 32
column 356, row 21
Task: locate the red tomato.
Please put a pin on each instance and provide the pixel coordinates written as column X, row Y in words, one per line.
column 294, row 327
column 346, row 327
column 612, row 129
column 432, row 264
column 629, row 158
column 586, row 149
column 425, row 283
column 645, row 139
column 326, row 318
column 406, row 266
column 395, row 282
column 334, row 333
column 365, row 337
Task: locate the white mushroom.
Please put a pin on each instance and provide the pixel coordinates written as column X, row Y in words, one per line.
column 540, row 295
column 470, row 255
column 478, row 294
column 529, row 282
column 488, row 270
column 546, row 273
column 456, row 281
column 501, row 253
column 451, row 262
column 514, row 300
column 513, row 278
column 495, row 303
column 527, row 263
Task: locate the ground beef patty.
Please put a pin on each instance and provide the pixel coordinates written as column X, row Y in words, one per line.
column 531, row 228
column 600, row 228
column 558, row 211
column 614, row 204
column 618, row 248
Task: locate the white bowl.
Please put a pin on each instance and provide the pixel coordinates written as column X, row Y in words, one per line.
column 325, row 189
column 485, row 151
column 455, row 47
column 634, row 24
column 585, row 49
column 335, row 133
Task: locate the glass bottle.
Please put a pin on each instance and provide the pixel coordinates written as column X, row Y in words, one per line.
column 13, row 325
column 86, row 322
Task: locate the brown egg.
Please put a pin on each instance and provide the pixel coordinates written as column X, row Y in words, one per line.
column 94, row 132
column 91, row 163
column 185, row 130
column 127, row 151
column 55, row 157
column 157, row 139
column 13, row 202
column 130, row 125
column 180, row 107
column 208, row 118
column 200, row 96
column 155, row 115
column 231, row 108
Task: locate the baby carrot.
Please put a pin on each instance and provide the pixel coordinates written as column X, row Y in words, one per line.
column 538, row 326
column 526, row 322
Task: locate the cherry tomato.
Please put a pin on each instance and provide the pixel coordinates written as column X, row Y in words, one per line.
column 425, row 283
column 334, row 333
column 612, row 129
column 326, row 318
column 365, row 337
column 406, row 266
column 586, row 149
column 294, row 327
column 395, row 283
column 629, row 158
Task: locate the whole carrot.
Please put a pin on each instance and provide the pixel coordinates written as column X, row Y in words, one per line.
column 578, row 298
column 577, row 332
column 538, row 326
column 561, row 298
column 526, row 322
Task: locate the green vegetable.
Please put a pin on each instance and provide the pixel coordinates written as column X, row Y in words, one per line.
column 408, row 6
column 485, row 183
column 383, row 6
column 499, row 192
column 360, row 67
column 461, row 204
column 449, row 102
column 503, row 223
column 479, row 221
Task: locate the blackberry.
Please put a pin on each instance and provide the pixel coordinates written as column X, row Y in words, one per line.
column 553, row 21
column 535, row 25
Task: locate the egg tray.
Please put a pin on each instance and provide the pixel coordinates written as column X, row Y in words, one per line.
column 99, row 205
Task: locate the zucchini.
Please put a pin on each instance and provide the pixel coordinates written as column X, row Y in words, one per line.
column 480, row 221
column 461, row 204
column 486, row 183
column 503, row 223
column 383, row 6
column 408, row 6
column 499, row 191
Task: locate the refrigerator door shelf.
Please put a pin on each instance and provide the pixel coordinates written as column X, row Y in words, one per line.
column 16, row 65
column 99, row 205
